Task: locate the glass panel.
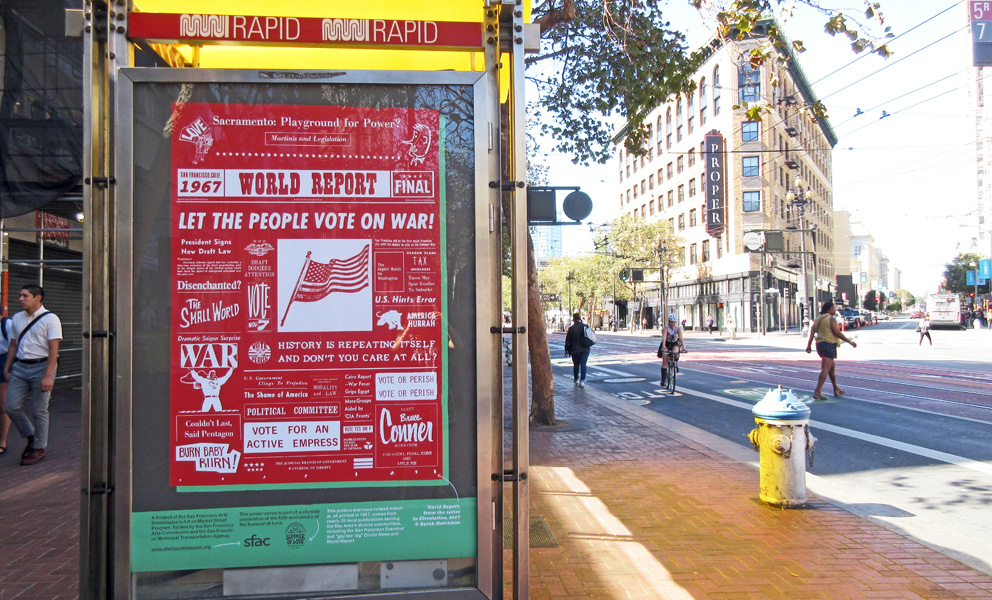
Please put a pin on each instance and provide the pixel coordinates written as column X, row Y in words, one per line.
column 304, row 352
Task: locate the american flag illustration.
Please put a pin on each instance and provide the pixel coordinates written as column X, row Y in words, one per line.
column 318, row 280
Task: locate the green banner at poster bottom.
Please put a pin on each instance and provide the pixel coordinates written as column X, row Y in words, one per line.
column 304, row 534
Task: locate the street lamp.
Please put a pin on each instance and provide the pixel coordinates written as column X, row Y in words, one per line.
column 662, row 305
column 974, row 301
column 800, row 197
column 569, row 279
column 609, row 248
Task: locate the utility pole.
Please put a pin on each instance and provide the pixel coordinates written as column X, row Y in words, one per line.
column 800, row 198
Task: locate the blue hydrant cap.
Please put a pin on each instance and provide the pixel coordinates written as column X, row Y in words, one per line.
column 780, row 405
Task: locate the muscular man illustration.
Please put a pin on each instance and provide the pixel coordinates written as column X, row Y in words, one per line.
column 211, row 388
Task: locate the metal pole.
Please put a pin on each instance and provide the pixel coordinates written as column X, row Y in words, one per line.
column 800, row 196
column 521, row 405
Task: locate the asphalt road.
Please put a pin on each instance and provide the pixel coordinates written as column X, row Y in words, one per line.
column 908, row 446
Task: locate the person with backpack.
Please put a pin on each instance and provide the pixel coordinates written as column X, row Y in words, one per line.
column 578, row 341
column 31, row 363
column 5, row 331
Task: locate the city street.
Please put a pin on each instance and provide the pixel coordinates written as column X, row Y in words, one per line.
column 907, row 447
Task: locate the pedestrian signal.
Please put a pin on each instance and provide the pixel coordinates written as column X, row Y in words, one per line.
column 625, row 275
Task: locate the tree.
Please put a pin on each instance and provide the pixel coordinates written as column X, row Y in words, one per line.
column 635, row 243
column 873, row 299
column 618, row 60
column 955, row 277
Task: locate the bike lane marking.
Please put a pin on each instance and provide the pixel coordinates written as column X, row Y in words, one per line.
column 953, row 459
column 967, row 463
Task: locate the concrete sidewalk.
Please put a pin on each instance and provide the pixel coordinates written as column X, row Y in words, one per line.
column 641, row 507
column 647, row 507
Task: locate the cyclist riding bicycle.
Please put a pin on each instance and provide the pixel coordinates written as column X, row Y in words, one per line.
column 672, row 340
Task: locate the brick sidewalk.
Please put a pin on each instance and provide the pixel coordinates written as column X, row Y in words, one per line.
column 640, row 511
column 643, row 512
column 39, row 511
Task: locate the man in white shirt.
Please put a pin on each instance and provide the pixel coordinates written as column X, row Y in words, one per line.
column 31, row 362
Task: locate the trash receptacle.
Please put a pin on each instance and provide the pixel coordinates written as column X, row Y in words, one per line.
column 782, row 439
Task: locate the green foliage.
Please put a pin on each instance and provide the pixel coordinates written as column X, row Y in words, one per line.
column 586, row 278
column 894, row 307
column 955, row 279
column 870, row 302
column 617, row 59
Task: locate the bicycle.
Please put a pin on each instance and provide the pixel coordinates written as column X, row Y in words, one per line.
column 673, row 370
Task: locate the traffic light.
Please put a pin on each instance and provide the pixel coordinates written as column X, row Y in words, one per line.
column 625, row 275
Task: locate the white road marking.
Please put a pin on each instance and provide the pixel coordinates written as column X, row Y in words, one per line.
column 953, row 459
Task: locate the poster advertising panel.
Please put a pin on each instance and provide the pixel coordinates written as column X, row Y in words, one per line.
column 307, row 304
column 303, row 354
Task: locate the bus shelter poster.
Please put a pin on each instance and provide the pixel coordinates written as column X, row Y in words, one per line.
column 308, row 297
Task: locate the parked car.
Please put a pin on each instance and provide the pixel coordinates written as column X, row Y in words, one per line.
column 915, row 313
column 883, row 316
column 850, row 317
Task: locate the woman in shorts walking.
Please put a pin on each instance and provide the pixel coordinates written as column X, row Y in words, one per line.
column 828, row 337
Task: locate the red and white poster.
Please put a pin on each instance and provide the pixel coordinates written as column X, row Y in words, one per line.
column 307, row 298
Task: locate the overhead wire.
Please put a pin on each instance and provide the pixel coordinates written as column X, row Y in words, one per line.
column 892, row 64
column 917, row 26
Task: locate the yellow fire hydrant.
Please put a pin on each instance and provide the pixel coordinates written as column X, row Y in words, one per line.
column 782, row 439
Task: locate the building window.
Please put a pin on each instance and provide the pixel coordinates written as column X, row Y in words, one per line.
column 682, row 255
column 644, row 211
column 651, row 207
column 671, row 198
column 706, row 250
column 678, row 132
column 680, row 161
column 651, row 181
column 628, row 196
column 671, row 224
column 702, row 92
column 752, row 201
column 748, row 82
column 692, row 188
column 749, row 131
column 692, row 121
column 692, row 254
column 716, row 90
column 682, row 222
column 671, row 171
column 692, row 156
column 751, row 166
column 643, row 186
column 681, row 194
column 692, row 218
column 635, row 192
column 719, row 248
column 702, row 115
column 661, row 176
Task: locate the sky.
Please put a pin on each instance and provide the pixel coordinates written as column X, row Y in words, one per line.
column 910, row 177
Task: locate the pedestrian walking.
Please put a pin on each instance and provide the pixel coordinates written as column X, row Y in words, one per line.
column 828, row 338
column 924, row 328
column 5, row 333
column 731, row 326
column 32, row 360
column 709, row 323
column 577, row 346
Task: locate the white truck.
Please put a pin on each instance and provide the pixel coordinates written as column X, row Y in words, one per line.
column 944, row 310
